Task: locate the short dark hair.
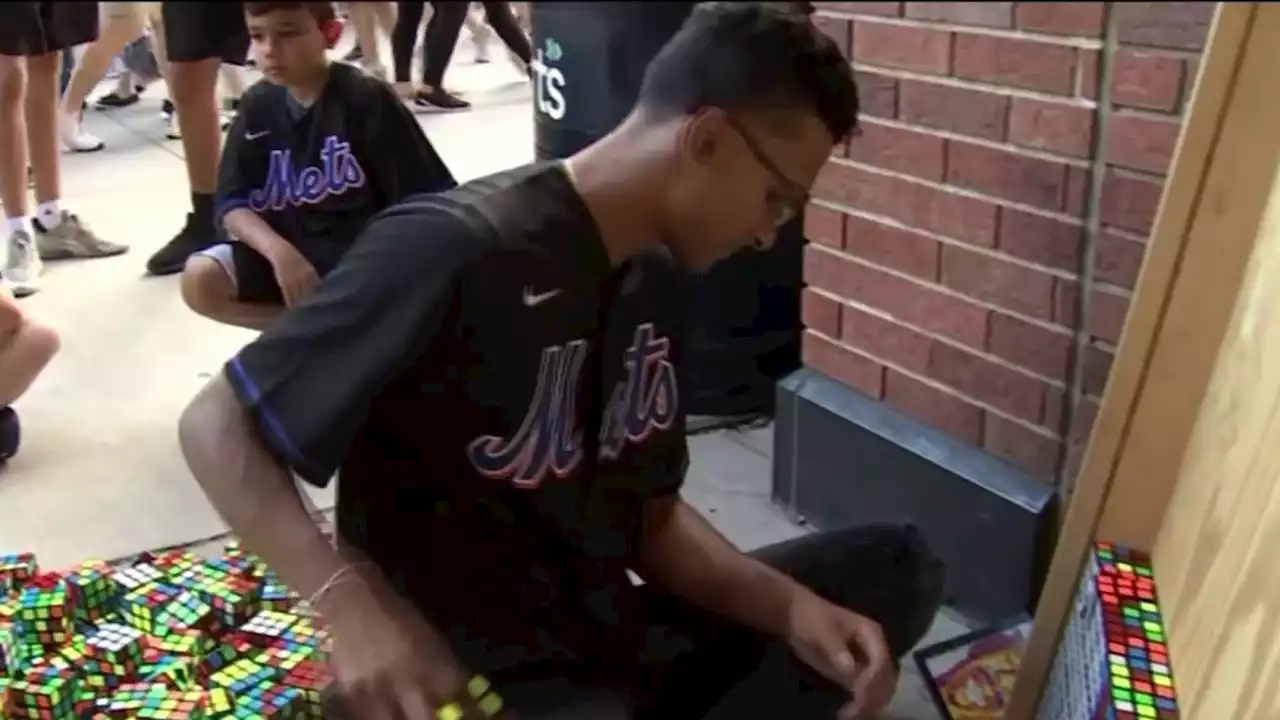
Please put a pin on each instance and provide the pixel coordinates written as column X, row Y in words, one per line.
column 748, row 57
column 323, row 12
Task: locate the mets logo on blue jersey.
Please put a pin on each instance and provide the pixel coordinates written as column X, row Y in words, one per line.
column 549, row 441
column 337, row 172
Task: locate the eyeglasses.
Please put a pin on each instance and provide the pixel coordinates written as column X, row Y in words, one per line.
column 789, row 197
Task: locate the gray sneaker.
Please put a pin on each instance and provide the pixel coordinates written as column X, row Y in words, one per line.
column 22, row 264
column 71, row 238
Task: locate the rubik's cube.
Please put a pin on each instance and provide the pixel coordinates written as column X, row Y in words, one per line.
column 273, row 701
column 185, row 612
column 243, row 675
column 94, row 590
column 175, row 561
column 115, row 649
column 15, row 570
column 45, row 610
column 1112, row 663
column 48, row 694
column 143, row 606
column 195, row 643
column 137, row 576
column 311, row 678
column 268, row 626
column 275, row 595
column 176, row 672
column 233, row 599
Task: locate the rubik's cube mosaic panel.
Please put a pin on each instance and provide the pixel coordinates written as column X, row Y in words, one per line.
column 1112, row 663
column 171, row 636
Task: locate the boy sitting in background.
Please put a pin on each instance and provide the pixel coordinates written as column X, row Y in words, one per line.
column 317, row 149
column 26, row 347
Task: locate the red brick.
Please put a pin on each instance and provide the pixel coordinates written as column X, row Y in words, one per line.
column 883, row 9
column 1085, row 412
column 1107, row 311
column 1037, row 348
column 1129, row 202
column 820, row 313
column 1062, row 129
column 984, row 277
column 1141, row 143
column 1081, row 19
column 877, row 95
column 824, row 226
column 1006, row 175
column 1176, row 25
column 905, row 151
column 838, row 29
column 1066, row 302
column 932, row 406
column 1148, row 80
column 895, row 248
column 1189, row 82
column 996, row 385
column 968, row 112
column 1022, row 64
column 885, row 340
column 910, row 203
column 1087, row 74
column 1039, row 239
column 903, row 47
column 1096, row 370
column 1053, row 404
column 1078, row 183
column 913, row 303
column 1118, row 259
column 1034, row 452
column 836, row 362
column 984, row 14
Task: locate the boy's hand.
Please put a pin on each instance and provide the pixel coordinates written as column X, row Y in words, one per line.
column 295, row 275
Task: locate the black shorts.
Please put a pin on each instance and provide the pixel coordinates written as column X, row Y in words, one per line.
column 29, row 29
column 252, row 274
column 195, row 31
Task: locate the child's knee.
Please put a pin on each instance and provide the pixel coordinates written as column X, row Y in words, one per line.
column 13, row 81
column 205, row 285
column 42, row 341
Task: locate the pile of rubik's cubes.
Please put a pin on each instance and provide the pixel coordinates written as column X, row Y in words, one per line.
column 174, row 636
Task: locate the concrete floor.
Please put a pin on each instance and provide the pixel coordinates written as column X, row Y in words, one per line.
column 100, row 473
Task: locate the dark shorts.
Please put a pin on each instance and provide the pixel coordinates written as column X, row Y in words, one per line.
column 695, row 666
column 195, row 31
column 29, row 29
column 251, row 274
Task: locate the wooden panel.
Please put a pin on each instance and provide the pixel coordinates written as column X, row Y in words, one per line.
column 1215, row 558
column 1148, row 344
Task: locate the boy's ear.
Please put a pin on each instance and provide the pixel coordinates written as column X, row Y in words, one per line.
column 332, row 30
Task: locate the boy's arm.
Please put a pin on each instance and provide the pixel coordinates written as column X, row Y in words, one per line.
column 401, row 159
column 242, row 171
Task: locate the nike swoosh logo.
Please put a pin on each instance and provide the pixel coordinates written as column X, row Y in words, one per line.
column 256, row 135
column 531, row 298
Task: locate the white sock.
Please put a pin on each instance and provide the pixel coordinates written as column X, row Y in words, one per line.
column 17, row 224
column 49, row 214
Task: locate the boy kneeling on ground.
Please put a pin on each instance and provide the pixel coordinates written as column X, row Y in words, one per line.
column 317, row 149
column 26, row 347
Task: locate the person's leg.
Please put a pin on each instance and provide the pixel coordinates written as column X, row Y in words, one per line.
column 440, row 39
column 721, row 670
column 199, row 37
column 232, row 287
column 403, row 38
column 121, row 25
column 59, row 233
column 21, row 271
column 364, row 20
column 26, row 347
column 504, row 23
column 480, row 33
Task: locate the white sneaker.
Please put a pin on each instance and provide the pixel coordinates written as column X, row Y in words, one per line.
column 74, row 137
column 22, row 265
column 174, row 132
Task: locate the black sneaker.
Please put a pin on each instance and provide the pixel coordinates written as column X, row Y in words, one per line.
column 166, row 107
column 171, row 258
column 114, row 100
column 437, row 100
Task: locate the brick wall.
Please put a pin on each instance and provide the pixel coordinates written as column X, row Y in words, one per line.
column 973, row 251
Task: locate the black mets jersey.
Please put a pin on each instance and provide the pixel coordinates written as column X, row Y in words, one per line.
column 499, row 400
column 318, row 173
